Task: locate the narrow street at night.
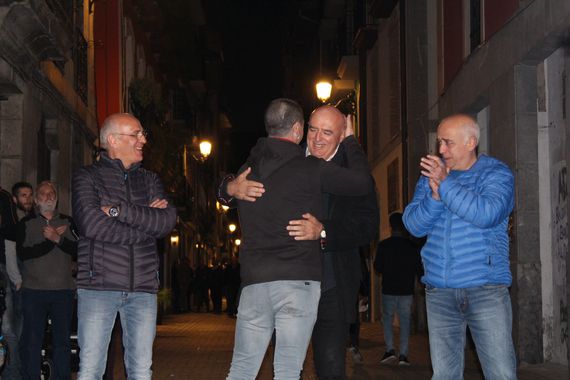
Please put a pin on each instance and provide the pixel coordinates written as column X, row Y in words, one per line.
column 199, row 346
column 406, row 159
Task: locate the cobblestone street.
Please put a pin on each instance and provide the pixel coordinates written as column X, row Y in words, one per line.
column 199, row 346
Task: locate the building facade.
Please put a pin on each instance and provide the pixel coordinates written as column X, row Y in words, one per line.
column 47, row 112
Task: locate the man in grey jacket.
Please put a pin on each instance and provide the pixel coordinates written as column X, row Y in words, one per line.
column 46, row 245
column 120, row 210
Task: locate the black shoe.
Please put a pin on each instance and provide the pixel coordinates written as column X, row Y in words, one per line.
column 356, row 355
column 403, row 360
column 389, row 357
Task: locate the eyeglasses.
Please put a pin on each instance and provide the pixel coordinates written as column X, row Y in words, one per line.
column 138, row 135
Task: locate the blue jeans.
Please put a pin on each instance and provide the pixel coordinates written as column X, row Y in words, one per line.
column 289, row 308
column 402, row 305
column 487, row 311
column 96, row 313
column 37, row 305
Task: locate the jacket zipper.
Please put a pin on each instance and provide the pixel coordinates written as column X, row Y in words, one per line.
column 446, row 254
column 131, row 253
column 91, row 249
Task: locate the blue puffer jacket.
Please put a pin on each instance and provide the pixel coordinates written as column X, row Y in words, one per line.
column 467, row 242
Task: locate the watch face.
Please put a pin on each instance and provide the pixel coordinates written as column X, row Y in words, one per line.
column 114, row 212
column 323, row 234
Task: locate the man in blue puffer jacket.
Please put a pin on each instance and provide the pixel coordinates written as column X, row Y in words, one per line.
column 462, row 203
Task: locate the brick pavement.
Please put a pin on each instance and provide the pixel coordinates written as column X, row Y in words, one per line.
column 199, row 346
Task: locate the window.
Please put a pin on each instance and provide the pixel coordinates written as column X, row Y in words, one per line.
column 475, row 24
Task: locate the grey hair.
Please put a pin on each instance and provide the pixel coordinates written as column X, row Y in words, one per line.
column 46, row 183
column 281, row 115
column 109, row 127
column 468, row 124
column 472, row 130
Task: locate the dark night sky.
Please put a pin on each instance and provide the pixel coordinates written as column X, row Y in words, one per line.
column 258, row 37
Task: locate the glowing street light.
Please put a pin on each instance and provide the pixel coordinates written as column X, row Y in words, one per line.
column 237, row 242
column 324, row 89
column 232, row 227
column 205, row 148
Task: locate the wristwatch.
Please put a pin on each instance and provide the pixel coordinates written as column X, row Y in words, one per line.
column 114, row 211
column 323, row 239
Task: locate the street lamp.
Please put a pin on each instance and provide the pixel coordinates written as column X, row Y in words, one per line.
column 232, row 227
column 237, row 242
column 324, row 89
column 205, row 148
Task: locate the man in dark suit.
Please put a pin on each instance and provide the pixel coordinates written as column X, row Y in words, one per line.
column 348, row 223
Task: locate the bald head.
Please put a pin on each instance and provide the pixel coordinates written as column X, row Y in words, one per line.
column 326, row 131
column 123, row 137
column 112, row 125
column 331, row 114
column 465, row 123
column 458, row 137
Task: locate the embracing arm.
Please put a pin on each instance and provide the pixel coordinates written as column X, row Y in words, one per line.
column 355, row 179
column 222, row 194
column 356, row 227
column 239, row 187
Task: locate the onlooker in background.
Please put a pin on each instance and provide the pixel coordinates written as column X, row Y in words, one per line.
column 398, row 261
column 47, row 246
column 201, row 288
column 121, row 210
column 233, row 282
column 10, row 321
column 216, row 283
column 182, row 279
column 462, row 203
column 23, row 197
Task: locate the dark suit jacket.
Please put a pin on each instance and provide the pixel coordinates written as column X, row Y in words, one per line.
column 352, row 222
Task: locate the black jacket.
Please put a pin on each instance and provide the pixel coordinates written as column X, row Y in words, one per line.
column 119, row 254
column 398, row 260
column 350, row 222
column 294, row 185
column 8, row 220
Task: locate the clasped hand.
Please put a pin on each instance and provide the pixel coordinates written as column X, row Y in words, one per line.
column 436, row 171
column 53, row 233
